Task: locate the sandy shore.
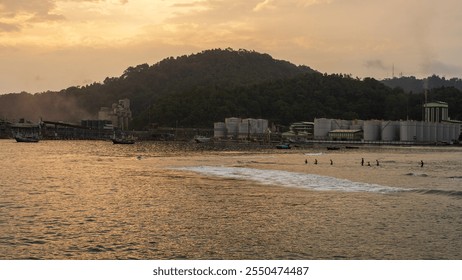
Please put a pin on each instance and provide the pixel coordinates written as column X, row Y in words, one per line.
column 398, row 166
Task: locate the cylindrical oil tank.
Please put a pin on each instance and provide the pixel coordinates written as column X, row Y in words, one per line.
column 356, row 124
column 262, row 126
column 244, row 129
column 321, row 128
column 232, row 126
column 439, row 132
column 219, row 130
column 250, row 125
column 446, row 137
column 432, row 131
column 372, row 130
column 407, row 131
column 457, row 131
column 390, row 131
column 426, row 131
column 419, row 131
column 345, row 124
column 451, row 133
column 336, row 124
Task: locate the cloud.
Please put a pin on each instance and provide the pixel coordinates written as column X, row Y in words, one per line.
column 6, row 27
column 439, row 67
column 375, row 64
column 263, row 5
column 35, row 10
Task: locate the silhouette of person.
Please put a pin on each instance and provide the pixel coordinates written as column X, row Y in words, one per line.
column 421, row 163
column 378, row 164
column 306, row 161
column 368, row 163
column 315, row 161
column 362, row 161
column 331, row 162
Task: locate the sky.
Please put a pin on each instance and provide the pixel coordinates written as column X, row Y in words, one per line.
column 55, row 44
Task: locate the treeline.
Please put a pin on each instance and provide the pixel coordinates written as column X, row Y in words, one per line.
column 305, row 97
column 414, row 85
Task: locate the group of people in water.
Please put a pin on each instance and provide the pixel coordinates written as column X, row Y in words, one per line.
column 362, row 162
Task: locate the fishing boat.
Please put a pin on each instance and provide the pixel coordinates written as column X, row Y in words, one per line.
column 283, row 146
column 201, row 139
column 123, row 139
column 30, row 138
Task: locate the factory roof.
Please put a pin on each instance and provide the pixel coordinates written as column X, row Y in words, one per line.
column 345, row 131
column 438, row 104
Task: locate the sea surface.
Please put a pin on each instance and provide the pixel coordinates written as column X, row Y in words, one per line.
column 153, row 200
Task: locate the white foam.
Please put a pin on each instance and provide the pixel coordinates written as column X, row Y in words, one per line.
column 313, row 154
column 290, row 179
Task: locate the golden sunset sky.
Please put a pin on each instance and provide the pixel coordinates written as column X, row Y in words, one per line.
column 54, row 44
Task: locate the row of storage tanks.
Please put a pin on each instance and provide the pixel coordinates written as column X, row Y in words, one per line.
column 377, row 130
column 240, row 128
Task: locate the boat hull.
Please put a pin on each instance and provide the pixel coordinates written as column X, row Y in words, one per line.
column 123, row 141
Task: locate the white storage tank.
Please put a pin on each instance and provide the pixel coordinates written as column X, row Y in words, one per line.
column 336, row 124
column 232, row 126
column 440, row 132
column 432, row 132
column 321, row 128
column 219, row 130
column 426, row 131
column 457, row 130
column 452, row 132
column 407, row 131
column 419, row 133
column 262, row 126
column 372, row 130
column 243, row 130
column 390, row 131
column 356, row 125
column 446, row 134
column 340, row 124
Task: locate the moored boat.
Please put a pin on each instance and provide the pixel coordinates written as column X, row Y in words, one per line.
column 27, row 138
column 123, row 139
column 283, row 146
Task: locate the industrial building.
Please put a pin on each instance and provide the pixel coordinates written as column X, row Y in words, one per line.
column 345, row 135
column 389, row 131
column 237, row 128
column 119, row 114
column 299, row 131
column 436, row 128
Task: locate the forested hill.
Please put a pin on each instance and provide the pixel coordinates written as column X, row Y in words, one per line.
column 144, row 84
column 304, row 97
column 415, row 85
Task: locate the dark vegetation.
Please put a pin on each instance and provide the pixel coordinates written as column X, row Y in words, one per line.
column 199, row 89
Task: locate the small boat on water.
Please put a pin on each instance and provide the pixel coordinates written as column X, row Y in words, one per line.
column 201, row 139
column 123, row 139
column 283, row 146
column 32, row 138
column 351, row 147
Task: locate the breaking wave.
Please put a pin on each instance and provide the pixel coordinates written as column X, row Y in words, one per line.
column 455, row 194
column 291, row 179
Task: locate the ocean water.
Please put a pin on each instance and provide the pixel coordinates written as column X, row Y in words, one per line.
column 95, row 200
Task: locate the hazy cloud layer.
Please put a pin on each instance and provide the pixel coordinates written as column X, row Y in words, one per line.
column 362, row 38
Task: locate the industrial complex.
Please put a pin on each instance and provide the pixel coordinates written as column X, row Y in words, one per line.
column 436, row 128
